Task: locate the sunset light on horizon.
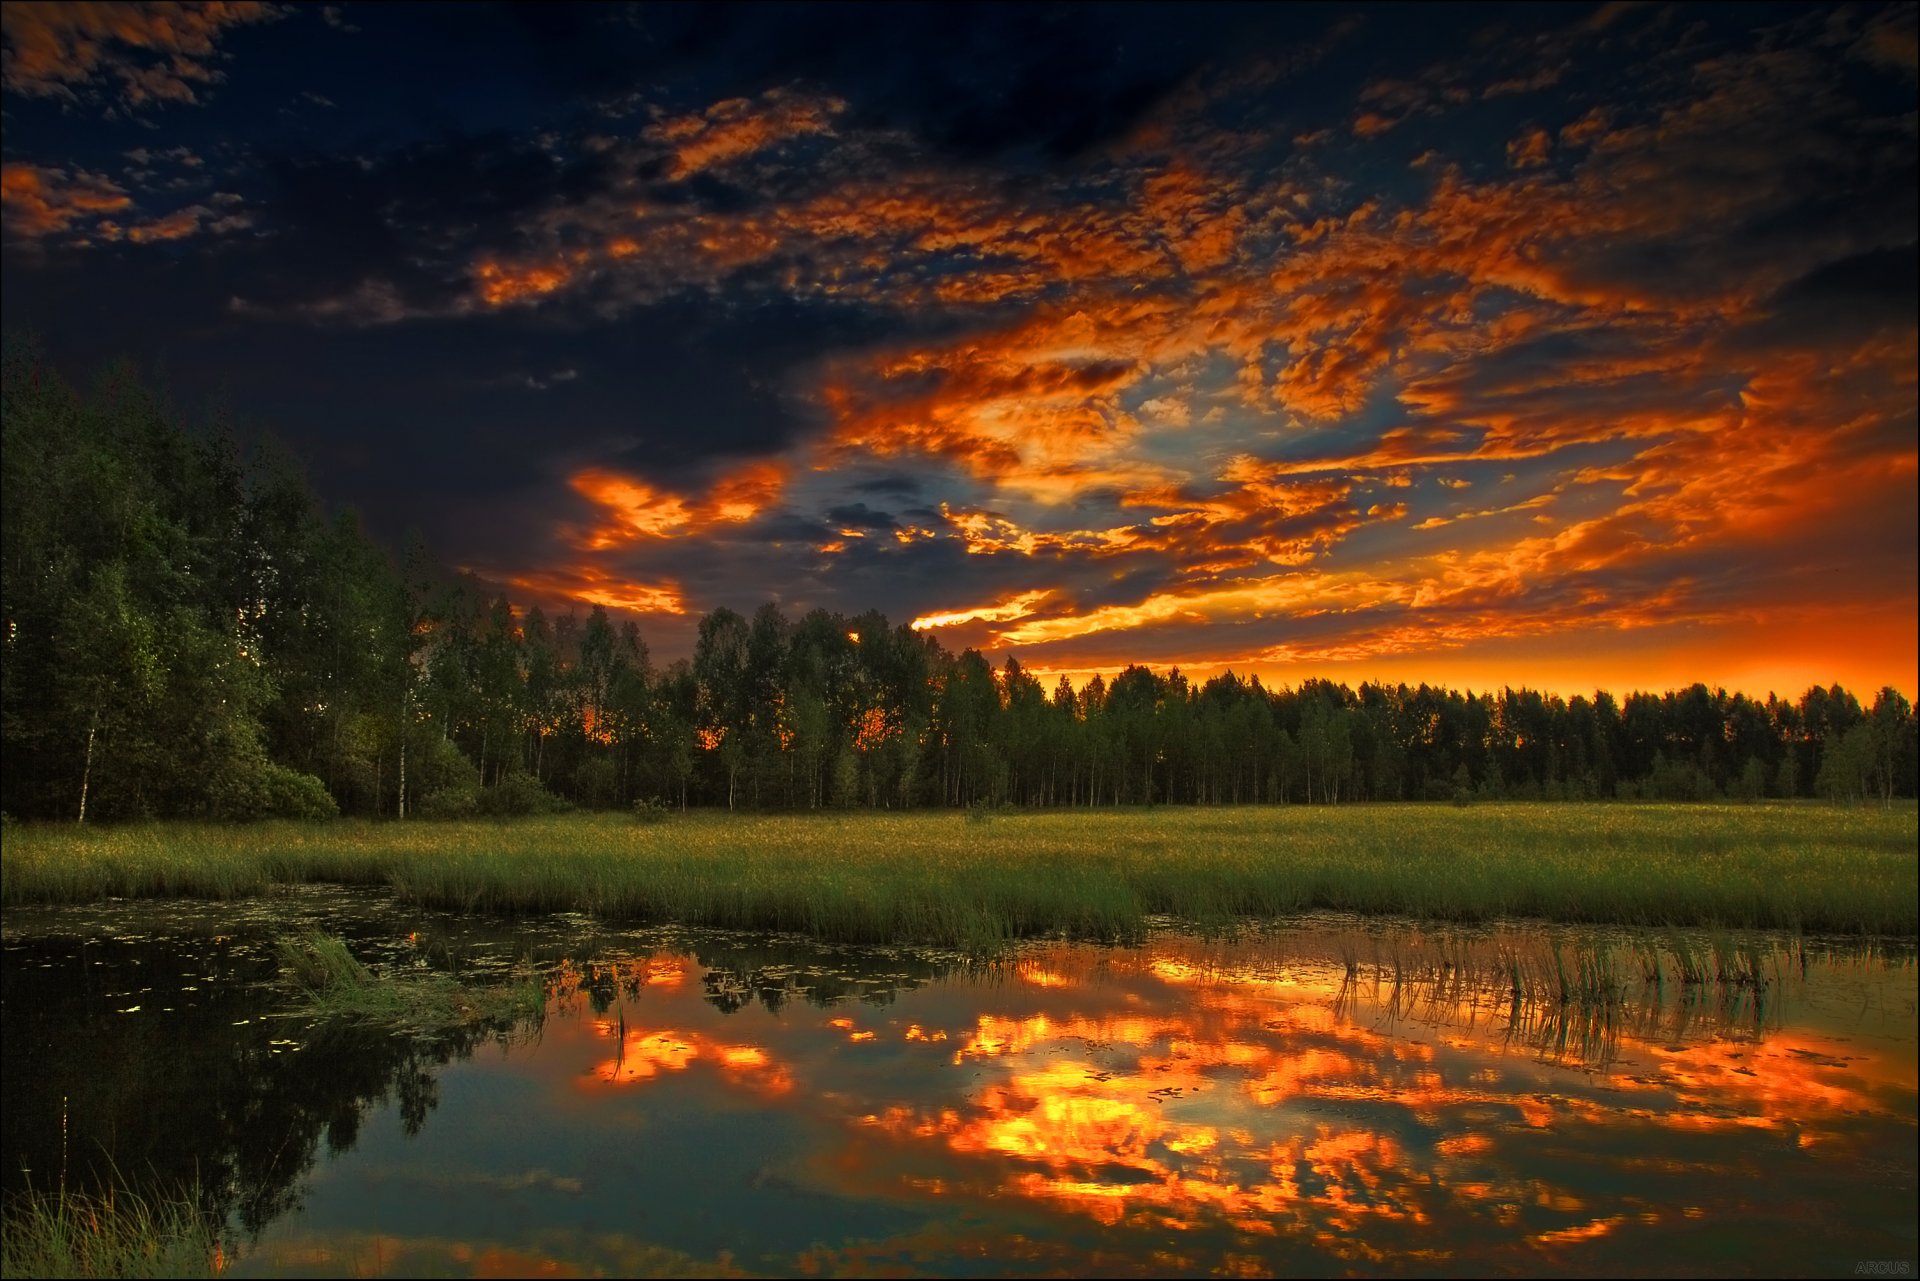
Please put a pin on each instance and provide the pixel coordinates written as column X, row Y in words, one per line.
column 1567, row 347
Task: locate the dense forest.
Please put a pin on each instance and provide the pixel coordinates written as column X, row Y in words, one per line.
column 189, row 632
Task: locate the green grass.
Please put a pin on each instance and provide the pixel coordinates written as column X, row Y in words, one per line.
column 335, row 985
column 936, row 877
column 117, row 1234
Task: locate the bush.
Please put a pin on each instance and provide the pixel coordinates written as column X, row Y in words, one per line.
column 449, row 802
column 287, row 793
column 517, row 796
column 435, row 764
column 248, row 786
column 652, row 810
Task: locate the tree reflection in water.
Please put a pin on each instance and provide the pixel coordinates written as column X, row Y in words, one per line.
column 1313, row 1098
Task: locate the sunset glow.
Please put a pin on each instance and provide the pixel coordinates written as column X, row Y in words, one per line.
column 1240, row 1092
column 1566, row 347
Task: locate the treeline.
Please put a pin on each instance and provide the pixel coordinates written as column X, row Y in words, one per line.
column 190, row 633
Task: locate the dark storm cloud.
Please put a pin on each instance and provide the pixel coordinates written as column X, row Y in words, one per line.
column 412, row 218
column 901, row 484
column 971, row 80
column 860, row 516
column 1838, row 303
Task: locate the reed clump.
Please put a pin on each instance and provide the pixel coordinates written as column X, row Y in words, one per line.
column 116, row 1233
column 333, row 984
column 952, row 879
column 1574, row 994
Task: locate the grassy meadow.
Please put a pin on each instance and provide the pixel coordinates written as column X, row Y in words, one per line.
column 974, row 879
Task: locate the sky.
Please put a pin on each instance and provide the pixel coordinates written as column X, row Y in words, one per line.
column 1550, row 345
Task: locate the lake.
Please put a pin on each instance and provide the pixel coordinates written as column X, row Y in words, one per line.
column 1320, row 1095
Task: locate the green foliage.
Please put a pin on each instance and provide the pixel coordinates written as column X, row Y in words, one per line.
column 280, row 792
column 441, row 781
column 1846, row 766
column 168, row 606
column 518, row 795
column 651, row 809
column 452, row 802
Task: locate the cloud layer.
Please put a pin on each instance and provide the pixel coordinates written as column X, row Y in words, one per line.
column 1304, row 347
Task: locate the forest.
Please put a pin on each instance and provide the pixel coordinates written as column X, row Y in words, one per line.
column 191, row 632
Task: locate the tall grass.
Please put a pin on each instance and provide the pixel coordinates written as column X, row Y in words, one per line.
column 117, row 1233
column 938, row 878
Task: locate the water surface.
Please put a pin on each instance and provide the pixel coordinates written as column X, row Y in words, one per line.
column 1326, row 1095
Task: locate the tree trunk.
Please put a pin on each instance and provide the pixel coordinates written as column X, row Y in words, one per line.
column 403, row 752
column 86, row 773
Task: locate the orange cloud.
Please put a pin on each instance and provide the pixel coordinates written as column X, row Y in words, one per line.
column 1371, row 124
column 1530, row 150
column 596, row 586
column 739, row 127
column 158, row 51
column 187, row 222
column 41, row 202
column 500, row 284
column 635, row 509
column 1001, row 611
column 642, row 1056
column 1294, row 595
column 1571, row 321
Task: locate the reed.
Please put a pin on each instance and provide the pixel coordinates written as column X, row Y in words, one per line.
column 1570, row 995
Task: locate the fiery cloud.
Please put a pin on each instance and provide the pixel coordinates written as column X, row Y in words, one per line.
column 636, row 510
column 499, row 284
column 1003, row 611
column 1538, row 335
column 1504, row 317
column 40, row 202
column 739, row 127
column 597, row 586
column 157, row 51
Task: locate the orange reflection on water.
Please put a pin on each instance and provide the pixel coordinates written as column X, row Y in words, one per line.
column 1291, row 1105
column 1195, row 1108
column 642, row 1055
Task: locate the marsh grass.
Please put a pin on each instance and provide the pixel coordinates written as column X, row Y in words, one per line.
column 950, row 879
column 117, row 1233
column 333, row 984
column 322, row 966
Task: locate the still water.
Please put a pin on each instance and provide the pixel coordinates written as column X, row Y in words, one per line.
column 1321, row 1095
